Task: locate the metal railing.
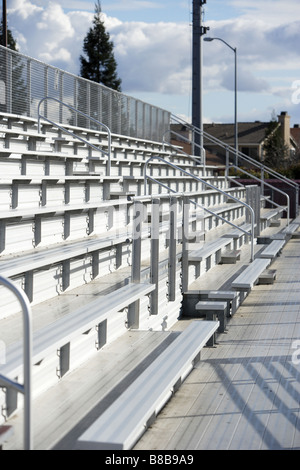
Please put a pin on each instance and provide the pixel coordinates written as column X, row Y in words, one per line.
column 24, row 81
column 270, row 186
column 100, row 124
column 6, row 382
column 198, row 160
column 175, row 167
column 239, row 155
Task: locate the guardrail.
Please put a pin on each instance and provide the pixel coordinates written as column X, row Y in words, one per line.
column 250, row 209
column 239, row 156
column 59, row 126
column 25, row 80
column 199, row 161
column 6, row 382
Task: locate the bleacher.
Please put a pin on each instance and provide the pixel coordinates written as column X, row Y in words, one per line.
column 99, row 261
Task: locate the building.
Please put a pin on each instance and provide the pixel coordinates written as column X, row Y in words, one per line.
column 251, row 137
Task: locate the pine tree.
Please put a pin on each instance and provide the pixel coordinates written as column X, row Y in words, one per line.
column 11, row 42
column 99, row 65
column 276, row 152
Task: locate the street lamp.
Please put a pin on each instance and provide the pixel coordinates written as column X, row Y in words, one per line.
column 235, row 93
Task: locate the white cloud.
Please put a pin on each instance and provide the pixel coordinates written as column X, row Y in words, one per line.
column 55, row 22
column 271, row 12
column 157, row 58
column 153, row 57
column 23, row 8
column 133, row 5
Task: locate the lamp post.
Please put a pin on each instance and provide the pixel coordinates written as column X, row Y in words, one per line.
column 235, row 93
column 4, row 23
column 198, row 31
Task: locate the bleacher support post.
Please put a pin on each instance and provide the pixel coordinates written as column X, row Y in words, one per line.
column 185, row 241
column 134, row 309
column 154, row 259
column 172, row 250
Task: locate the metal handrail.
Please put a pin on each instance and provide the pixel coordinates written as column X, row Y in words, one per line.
column 239, row 154
column 108, row 153
column 270, row 186
column 196, row 159
column 252, row 215
column 25, row 389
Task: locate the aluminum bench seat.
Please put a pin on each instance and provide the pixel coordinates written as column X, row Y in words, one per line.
column 229, row 296
column 249, row 277
column 287, row 232
column 124, row 422
column 236, row 233
column 54, row 336
column 268, row 215
column 231, row 256
column 208, row 249
column 14, row 132
column 52, row 210
column 272, row 250
column 13, row 266
column 213, row 309
column 4, row 152
column 192, row 297
column 291, row 228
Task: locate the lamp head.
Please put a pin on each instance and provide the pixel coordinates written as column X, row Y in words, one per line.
column 208, row 39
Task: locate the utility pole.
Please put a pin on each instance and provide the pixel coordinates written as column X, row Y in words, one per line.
column 4, row 23
column 198, row 32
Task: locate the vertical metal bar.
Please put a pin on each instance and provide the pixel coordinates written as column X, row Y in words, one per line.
column 88, row 108
column 154, row 259
column 227, row 164
column 64, row 360
column 185, row 239
column 262, row 176
column 136, row 119
column 172, row 250
column 28, row 86
column 134, row 309
column 2, row 235
column 61, row 97
column 75, row 101
column 100, row 90
column 46, row 79
column 110, row 110
column 9, row 84
column 137, row 241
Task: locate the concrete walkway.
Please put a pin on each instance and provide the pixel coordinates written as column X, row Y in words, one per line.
column 245, row 393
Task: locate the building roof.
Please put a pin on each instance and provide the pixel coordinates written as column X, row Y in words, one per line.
column 295, row 133
column 248, row 132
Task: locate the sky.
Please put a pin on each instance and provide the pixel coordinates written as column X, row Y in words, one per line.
column 153, row 49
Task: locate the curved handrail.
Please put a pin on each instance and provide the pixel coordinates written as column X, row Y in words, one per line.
column 252, row 215
column 108, row 153
column 25, row 389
